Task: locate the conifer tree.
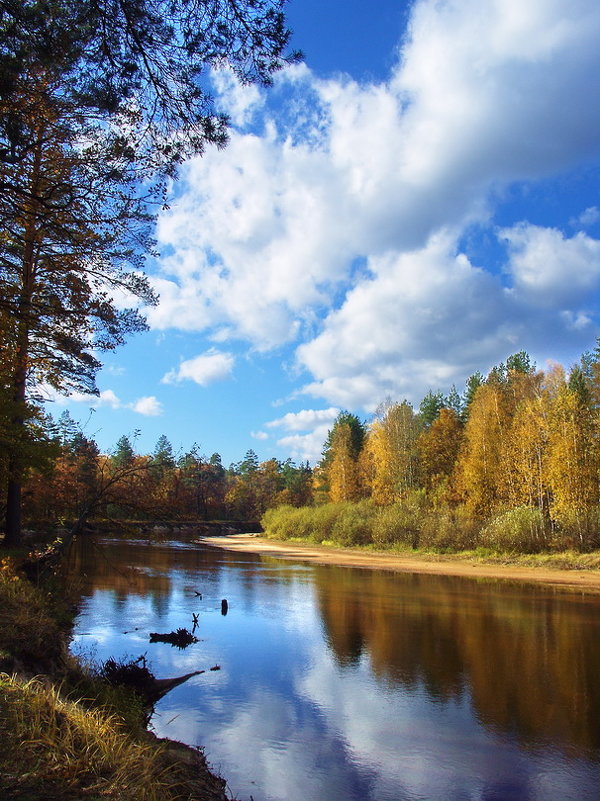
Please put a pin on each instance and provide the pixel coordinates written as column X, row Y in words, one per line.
column 100, row 101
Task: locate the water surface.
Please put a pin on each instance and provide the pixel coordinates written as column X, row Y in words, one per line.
column 344, row 684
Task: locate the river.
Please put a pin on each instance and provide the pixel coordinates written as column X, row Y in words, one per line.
column 347, row 684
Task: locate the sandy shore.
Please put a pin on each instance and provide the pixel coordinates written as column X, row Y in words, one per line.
column 584, row 580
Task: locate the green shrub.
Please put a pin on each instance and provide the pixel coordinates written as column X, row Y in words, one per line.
column 519, row 530
column 324, row 520
column 578, row 530
column 278, row 523
column 402, row 522
column 354, row 523
column 449, row 529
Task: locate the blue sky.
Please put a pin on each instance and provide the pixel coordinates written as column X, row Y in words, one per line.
column 415, row 202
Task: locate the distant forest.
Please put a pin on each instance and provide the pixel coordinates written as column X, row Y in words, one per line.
column 511, row 463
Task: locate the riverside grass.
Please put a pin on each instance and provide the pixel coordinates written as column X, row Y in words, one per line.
column 515, row 536
column 68, row 735
column 70, row 750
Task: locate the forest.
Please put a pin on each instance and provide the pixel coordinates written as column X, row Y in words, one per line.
column 510, row 464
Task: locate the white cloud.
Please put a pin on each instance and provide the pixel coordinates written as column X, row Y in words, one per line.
column 149, row 406
column 106, row 398
column 334, row 226
column 261, row 435
column 210, row 366
column 589, row 217
column 549, row 269
column 416, row 324
column 305, row 419
column 239, row 101
column 316, row 423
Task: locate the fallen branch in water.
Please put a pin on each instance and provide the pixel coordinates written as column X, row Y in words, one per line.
column 180, row 638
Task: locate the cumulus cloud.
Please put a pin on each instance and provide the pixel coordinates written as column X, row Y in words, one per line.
column 314, row 425
column 334, row 226
column 213, row 365
column 550, row 269
column 238, row 100
column 149, row 406
column 414, row 325
column 106, row 398
column 588, row 217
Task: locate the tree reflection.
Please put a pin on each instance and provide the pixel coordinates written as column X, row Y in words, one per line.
column 528, row 656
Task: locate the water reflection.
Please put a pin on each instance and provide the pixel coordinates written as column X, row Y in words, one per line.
column 344, row 683
column 528, row 654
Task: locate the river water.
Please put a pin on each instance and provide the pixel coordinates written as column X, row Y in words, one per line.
column 346, row 684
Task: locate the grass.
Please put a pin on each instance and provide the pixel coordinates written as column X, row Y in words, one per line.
column 30, row 632
column 73, row 752
column 66, row 734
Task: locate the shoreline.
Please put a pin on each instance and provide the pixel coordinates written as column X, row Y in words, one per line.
column 441, row 565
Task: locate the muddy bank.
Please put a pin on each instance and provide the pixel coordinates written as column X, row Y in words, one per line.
column 584, row 580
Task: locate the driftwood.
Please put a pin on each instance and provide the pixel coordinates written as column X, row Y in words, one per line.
column 179, row 639
column 163, row 686
column 137, row 677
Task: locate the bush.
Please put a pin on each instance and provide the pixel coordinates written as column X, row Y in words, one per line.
column 402, row 522
column 353, row 523
column 323, row 520
column 447, row 528
column 519, row 530
column 578, row 530
column 278, row 523
column 315, row 523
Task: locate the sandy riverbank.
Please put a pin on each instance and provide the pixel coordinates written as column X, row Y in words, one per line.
column 585, row 580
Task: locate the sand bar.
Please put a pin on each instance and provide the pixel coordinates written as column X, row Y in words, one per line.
column 584, row 580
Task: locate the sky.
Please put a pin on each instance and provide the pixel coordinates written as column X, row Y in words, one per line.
column 415, row 201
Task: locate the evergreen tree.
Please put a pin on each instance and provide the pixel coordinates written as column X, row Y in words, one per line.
column 430, row 407
column 124, row 454
column 472, row 385
column 162, row 455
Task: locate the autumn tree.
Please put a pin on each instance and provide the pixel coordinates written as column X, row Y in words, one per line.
column 484, row 471
column 479, row 468
column 438, row 448
column 392, row 445
column 100, row 101
column 341, row 453
column 573, row 465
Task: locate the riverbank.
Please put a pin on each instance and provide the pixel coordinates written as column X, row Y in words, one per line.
column 578, row 577
column 66, row 733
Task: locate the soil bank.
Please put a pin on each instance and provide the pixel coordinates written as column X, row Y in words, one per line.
column 582, row 580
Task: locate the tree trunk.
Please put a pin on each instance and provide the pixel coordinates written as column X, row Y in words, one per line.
column 12, row 536
column 24, row 321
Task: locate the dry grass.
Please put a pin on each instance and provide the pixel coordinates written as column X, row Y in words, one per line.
column 29, row 631
column 57, row 748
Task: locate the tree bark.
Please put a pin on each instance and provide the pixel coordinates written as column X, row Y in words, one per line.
column 13, row 528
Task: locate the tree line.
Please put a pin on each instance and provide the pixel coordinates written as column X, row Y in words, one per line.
column 74, row 484
column 512, row 463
